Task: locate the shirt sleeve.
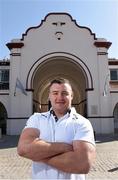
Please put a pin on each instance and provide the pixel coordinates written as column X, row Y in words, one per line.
column 33, row 121
column 84, row 131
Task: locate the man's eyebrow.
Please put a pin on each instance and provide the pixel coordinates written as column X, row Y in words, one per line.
column 64, row 91
column 58, row 91
column 54, row 91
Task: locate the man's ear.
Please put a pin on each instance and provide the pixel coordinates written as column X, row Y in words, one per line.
column 72, row 95
column 49, row 97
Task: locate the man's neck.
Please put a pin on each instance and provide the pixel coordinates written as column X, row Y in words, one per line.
column 59, row 114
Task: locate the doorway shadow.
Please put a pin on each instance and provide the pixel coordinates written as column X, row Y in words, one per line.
column 7, row 141
column 106, row 138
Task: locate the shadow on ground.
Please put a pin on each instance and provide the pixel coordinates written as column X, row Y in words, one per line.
column 8, row 141
column 106, row 138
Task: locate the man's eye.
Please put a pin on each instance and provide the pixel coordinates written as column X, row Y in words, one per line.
column 55, row 93
column 64, row 93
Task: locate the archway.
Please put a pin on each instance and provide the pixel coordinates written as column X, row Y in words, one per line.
column 59, row 67
column 115, row 114
column 62, row 55
column 3, row 117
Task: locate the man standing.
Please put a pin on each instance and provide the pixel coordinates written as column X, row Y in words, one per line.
column 60, row 142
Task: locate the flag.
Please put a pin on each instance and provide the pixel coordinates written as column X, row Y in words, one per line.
column 105, row 91
column 19, row 86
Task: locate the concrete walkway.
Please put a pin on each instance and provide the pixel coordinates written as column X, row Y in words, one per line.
column 14, row 167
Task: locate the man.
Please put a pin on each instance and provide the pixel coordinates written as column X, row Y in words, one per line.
column 60, row 142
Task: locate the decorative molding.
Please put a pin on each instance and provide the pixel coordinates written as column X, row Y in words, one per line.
column 102, row 44
column 100, row 117
column 102, row 53
column 113, row 62
column 58, row 23
column 113, row 92
column 89, row 89
column 12, row 45
column 4, row 93
column 30, row 90
column 14, row 118
column 15, row 54
column 59, row 35
column 114, row 82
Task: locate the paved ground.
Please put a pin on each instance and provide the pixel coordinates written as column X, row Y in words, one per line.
column 106, row 166
column 14, row 167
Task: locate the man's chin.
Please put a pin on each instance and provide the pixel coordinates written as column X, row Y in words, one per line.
column 60, row 108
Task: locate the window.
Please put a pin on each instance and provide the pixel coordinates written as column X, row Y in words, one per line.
column 114, row 74
column 4, row 79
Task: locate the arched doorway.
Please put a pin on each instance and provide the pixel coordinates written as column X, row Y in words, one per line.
column 59, row 67
column 3, row 117
column 115, row 114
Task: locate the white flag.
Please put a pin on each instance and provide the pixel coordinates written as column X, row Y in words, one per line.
column 106, row 86
column 19, row 86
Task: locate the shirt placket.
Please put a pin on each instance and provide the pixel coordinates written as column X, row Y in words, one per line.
column 53, row 124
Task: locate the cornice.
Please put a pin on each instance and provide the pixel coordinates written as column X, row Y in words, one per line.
column 102, row 44
column 12, row 45
column 113, row 62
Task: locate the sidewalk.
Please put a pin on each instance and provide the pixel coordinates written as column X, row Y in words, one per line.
column 14, row 167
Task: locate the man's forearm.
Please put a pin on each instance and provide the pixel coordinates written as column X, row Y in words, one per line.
column 69, row 162
column 39, row 149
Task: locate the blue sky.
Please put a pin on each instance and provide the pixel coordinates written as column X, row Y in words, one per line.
column 16, row 16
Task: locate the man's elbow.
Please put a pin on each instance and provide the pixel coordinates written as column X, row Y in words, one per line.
column 22, row 151
column 27, row 152
column 88, row 165
column 83, row 169
column 86, row 168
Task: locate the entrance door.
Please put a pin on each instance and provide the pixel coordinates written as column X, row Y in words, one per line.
column 116, row 118
column 3, row 117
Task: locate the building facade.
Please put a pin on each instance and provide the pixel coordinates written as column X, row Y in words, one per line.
column 59, row 47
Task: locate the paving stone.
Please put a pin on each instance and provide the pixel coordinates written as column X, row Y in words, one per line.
column 15, row 167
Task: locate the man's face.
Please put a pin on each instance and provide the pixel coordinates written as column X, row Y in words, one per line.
column 60, row 96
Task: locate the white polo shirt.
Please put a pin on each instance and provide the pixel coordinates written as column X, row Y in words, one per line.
column 68, row 128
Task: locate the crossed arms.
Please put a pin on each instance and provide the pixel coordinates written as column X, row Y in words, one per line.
column 76, row 158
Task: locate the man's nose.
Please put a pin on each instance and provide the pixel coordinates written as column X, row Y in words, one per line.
column 60, row 95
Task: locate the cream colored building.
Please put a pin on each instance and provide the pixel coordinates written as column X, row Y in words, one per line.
column 59, row 47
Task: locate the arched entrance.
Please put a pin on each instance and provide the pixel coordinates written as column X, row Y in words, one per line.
column 3, row 117
column 115, row 114
column 59, row 65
